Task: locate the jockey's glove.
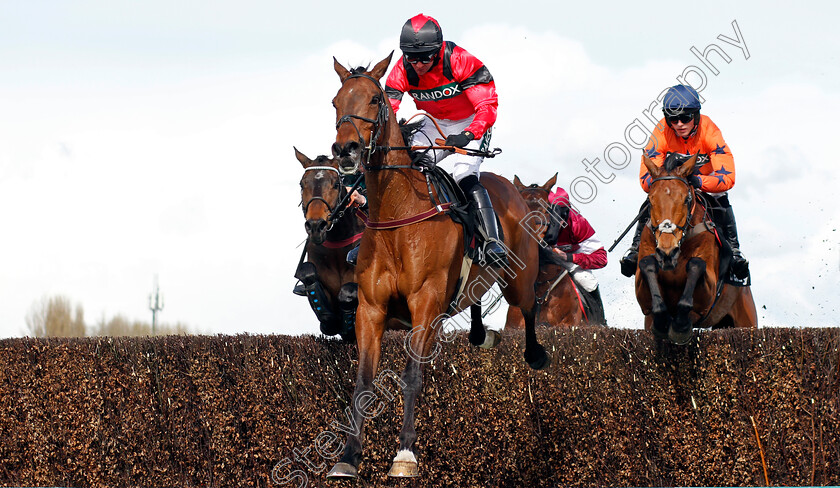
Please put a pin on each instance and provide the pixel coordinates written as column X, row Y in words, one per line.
column 695, row 181
column 563, row 255
column 459, row 140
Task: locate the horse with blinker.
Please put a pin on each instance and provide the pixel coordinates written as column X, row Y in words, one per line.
column 410, row 259
column 678, row 282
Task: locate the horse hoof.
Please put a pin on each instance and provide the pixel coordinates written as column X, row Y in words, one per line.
column 343, row 470
column 404, row 469
column 658, row 333
column 491, row 339
column 541, row 362
column 681, row 338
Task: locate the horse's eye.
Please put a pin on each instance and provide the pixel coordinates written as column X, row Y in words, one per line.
column 375, row 100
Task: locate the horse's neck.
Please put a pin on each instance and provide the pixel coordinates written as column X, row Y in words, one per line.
column 395, row 193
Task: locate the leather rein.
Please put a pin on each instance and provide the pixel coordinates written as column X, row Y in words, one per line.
column 377, row 132
column 688, row 229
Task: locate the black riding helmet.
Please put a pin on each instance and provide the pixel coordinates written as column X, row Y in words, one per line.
column 421, row 37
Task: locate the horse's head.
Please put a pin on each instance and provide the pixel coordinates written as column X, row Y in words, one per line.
column 671, row 202
column 320, row 193
column 361, row 113
column 534, row 193
column 536, row 196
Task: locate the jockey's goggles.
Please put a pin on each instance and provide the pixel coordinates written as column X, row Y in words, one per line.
column 420, row 58
column 684, row 118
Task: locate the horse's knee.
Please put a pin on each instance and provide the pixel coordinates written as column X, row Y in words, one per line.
column 307, row 273
column 348, row 300
column 348, row 296
column 696, row 265
column 648, row 264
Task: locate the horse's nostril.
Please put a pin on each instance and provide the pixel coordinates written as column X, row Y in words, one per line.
column 336, row 149
column 315, row 225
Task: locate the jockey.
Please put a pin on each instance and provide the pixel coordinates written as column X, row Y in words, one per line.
column 455, row 88
column 685, row 132
column 575, row 243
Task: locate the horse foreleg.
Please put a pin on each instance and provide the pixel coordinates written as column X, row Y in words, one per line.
column 682, row 328
column 661, row 319
column 479, row 336
column 419, row 348
column 369, row 343
column 405, row 463
column 348, row 301
column 535, row 354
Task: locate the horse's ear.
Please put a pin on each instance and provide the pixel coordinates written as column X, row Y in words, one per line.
column 379, row 70
column 302, row 157
column 341, row 70
column 652, row 168
column 517, row 183
column 550, row 183
column 685, row 169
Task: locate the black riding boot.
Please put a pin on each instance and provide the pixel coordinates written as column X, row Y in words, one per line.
column 495, row 254
column 596, row 307
column 631, row 257
column 739, row 265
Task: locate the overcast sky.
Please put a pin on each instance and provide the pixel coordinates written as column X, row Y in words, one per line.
column 155, row 138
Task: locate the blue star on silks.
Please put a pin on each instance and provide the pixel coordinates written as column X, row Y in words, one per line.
column 720, row 149
column 719, row 174
column 646, row 178
column 651, row 153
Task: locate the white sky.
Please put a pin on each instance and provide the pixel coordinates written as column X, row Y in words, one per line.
column 155, row 138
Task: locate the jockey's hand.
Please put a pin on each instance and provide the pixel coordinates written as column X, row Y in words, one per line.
column 357, row 199
column 562, row 255
column 459, row 140
column 695, row 181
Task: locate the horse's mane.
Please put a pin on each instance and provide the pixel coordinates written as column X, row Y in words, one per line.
column 359, row 70
column 407, row 129
column 323, row 160
column 672, row 161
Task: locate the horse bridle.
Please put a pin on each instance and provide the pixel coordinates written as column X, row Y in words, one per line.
column 330, row 208
column 668, row 227
column 378, row 124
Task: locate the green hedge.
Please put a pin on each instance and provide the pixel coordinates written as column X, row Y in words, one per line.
column 613, row 409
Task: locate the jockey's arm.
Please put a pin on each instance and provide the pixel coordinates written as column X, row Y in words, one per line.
column 486, row 103
column 722, row 175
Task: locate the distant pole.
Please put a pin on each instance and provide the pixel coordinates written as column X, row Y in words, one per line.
column 155, row 304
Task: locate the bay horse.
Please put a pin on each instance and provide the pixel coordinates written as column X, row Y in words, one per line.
column 560, row 305
column 678, row 283
column 410, row 258
column 328, row 280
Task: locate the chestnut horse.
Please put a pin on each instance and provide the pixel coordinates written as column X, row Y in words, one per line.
column 329, row 281
column 412, row 267
column 559, row 302
column 677, row 283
